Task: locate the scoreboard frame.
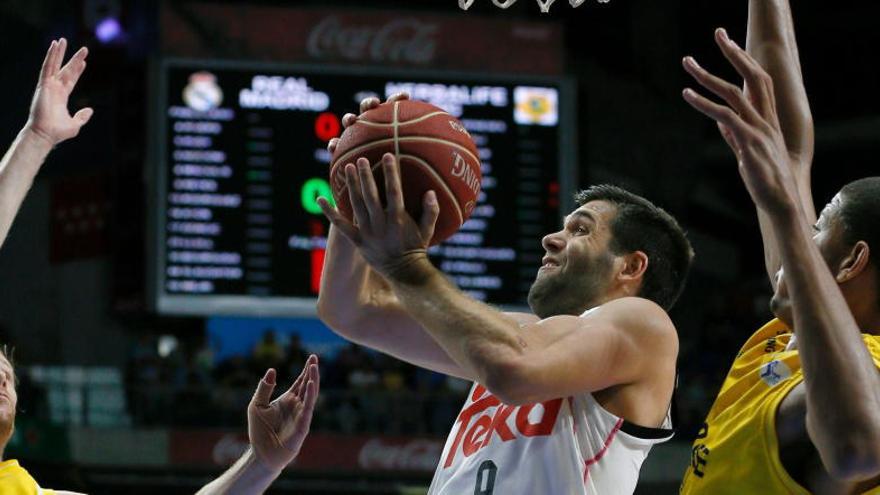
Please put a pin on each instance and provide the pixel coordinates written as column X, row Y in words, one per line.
column 156, row 173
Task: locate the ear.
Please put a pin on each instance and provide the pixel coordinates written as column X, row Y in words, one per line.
column 635, row 265
column 854, row 263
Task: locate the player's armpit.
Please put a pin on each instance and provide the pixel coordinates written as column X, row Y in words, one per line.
column 624, row 341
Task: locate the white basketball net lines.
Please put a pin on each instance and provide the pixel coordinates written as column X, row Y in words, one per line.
column 544, row 4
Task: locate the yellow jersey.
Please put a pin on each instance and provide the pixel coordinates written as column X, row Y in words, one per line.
column 736, row 449
column 14, row 480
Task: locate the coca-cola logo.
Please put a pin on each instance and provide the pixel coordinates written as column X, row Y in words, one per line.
column 228, row 449
column 414, row 455
column 404, row 40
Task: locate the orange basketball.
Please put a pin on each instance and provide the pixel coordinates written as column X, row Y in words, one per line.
column 433, row 150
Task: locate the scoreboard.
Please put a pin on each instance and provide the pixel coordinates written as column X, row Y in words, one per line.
column 238, row 159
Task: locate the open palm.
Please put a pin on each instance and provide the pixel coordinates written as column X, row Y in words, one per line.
column 49, row 117
column 277, row 429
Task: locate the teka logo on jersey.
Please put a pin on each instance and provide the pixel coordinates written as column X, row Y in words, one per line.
column 405, row 40
column 486, row 418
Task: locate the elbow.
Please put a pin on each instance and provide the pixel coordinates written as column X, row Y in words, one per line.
column 853, row 462
column 508, row 380
column 853, row 456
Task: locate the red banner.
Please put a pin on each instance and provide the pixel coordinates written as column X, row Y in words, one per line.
column 360, row 37
column 321, row 452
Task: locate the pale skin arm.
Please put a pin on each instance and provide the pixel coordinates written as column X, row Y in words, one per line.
column 771, row 42
column 358, row 304
column 49, row 123
column 619, row 344
column 276, row 429
column 837, row 366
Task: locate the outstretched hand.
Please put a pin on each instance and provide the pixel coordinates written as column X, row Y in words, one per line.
column 749, row 125
column 49, row 117
column 278, row 428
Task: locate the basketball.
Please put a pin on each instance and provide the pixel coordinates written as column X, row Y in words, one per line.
column 434, row 152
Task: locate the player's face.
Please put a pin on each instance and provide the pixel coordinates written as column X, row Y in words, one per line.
column 828, row 236
column 8, row 400
column 577, row 267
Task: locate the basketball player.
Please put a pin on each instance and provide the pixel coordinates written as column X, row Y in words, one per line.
column 799, row 411
column 48, row 124
column 276, row 430
column 568, row 400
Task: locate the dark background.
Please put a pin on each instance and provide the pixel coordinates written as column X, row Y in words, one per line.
column 633, row 130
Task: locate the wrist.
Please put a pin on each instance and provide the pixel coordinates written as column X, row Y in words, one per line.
column 36, row 138
column 411, row 268
column 257, row 467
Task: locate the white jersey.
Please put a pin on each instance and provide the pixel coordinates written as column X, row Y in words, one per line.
column 569, row 446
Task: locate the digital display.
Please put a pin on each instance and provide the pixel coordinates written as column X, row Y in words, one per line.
column 241, row 158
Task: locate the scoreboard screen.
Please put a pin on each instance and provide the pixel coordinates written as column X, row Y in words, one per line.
column 239, row 159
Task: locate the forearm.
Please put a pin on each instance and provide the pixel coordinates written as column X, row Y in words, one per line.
column 838, row 369
column 345, row 281
column 771, row 41
column 476, row 336
column 246, row 476
column 18, row 168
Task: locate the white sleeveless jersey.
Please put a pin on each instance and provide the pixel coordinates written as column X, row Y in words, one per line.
column 561, row 447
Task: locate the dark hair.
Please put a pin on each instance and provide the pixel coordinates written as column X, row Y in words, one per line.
column 639, row 225
column 860, row 214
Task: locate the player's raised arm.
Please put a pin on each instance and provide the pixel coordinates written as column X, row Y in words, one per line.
column 358, row 304
column 838, row 368
column 49, row 123
column 771, row 42
column 276, row 429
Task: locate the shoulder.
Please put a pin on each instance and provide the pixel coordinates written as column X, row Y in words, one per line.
column 641, row 317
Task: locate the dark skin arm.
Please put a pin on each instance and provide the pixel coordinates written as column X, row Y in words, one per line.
column 838, row 369
column 771, row 42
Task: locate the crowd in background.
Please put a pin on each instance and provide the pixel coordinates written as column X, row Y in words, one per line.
column 362, row 391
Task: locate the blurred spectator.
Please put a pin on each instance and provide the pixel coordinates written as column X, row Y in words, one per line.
column 268, row 353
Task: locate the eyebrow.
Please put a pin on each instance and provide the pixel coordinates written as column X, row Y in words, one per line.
column 580, row 214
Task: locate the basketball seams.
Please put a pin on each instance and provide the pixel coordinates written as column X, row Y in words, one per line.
column 440, row 180
column 416, row 120
column 406, row 139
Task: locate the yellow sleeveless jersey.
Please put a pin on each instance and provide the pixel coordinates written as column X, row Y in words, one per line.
column 15, row 480
column 736, row 451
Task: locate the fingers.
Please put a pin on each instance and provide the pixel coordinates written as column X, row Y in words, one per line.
column 369, row 191
column 355, row 196
column 313, row 386
column 332, row 144
column 393, row 189
column 403, row 95
column 58, row 56
column 298, row 386
column 348, row 119
column 46, row 69
column 74, row 68
column 430, row 213
column 83, row 115
column 756, row 78
column 369, row 104
column 719, row 113
column 263, row 394
column 733, row 95
column 347, row 228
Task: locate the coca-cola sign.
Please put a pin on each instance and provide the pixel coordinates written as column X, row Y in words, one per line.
column 320, row 452
column 406, row 40
column 362, row 37
column 413, row 455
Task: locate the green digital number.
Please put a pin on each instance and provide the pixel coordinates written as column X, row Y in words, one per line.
column 313, row 189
